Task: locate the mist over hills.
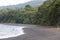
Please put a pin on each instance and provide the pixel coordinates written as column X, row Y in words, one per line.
column 33, row 3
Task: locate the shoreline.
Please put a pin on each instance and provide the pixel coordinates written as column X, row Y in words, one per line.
column 37, row 33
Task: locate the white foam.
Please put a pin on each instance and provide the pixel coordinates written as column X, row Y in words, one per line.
column 7, row 31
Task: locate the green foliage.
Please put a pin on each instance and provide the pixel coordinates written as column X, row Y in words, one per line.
column 50, row 12
column 25, row 15
column 46, row 14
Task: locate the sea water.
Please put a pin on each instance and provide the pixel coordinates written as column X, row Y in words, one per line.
column 7, row 31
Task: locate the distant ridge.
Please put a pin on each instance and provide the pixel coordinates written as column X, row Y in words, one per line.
column 32, row 3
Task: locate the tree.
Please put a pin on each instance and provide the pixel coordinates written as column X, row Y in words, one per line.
column 28, row 7
column 49, row 12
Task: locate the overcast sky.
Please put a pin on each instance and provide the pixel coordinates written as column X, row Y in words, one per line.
column 12, row 2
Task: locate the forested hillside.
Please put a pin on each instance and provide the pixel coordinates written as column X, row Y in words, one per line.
column 46, row 14
column 24, row 15
column 49, row 12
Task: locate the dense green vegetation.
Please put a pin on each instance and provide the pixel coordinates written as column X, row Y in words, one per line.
column 23, row 15
column 49, row 13
column 46, row 14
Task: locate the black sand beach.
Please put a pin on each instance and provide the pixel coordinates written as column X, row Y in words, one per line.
column 38, row 33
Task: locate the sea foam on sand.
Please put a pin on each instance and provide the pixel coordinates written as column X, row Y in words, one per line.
column 7, row 31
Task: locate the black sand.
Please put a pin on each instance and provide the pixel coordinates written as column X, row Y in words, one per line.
column 37, row 33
